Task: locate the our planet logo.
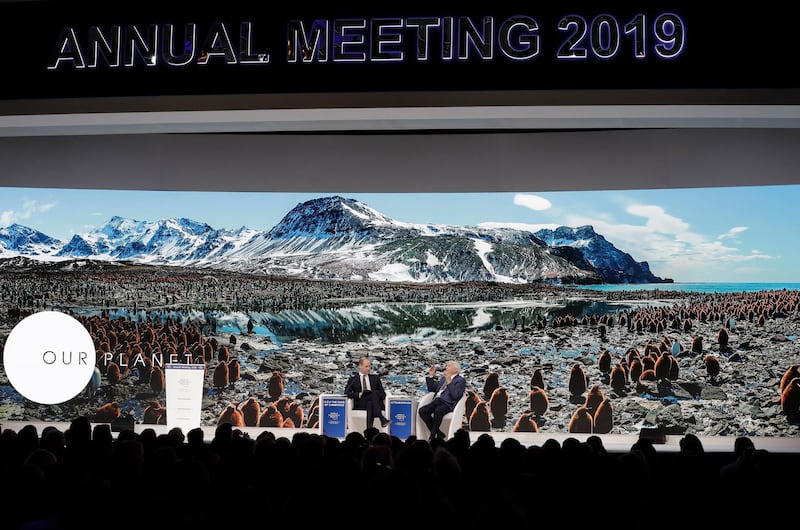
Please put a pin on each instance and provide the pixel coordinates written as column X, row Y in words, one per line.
column 49, row 357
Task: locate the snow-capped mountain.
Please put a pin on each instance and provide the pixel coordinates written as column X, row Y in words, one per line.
column 599, row 254
column 168, row 241
column 339, row 238
column 18, row 240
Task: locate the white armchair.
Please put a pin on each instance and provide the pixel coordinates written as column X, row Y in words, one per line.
column 357, row 419
column 451, row 422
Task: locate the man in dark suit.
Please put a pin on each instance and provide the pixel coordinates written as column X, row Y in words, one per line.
column 449, row 389
column 366, row 391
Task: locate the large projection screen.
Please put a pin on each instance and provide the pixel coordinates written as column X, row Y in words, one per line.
column 426, row 239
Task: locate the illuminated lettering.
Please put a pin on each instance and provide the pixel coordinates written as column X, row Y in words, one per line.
column 68, row 51
column 168, row 50
column 141, row 45
column 246, row 53
column 385, row 32
column 307, row 46
column 153, row 44
column 106, row 47
column 349, row 40
column 365, row 40
column 482, row 41
column 217, row 44
column 518, row 38
column 423, row 25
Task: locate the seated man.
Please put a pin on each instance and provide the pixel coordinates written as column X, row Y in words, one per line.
column 449, row 389
column 366, row 391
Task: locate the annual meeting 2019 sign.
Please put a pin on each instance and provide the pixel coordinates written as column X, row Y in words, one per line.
column 245, row 48
column 359, row 40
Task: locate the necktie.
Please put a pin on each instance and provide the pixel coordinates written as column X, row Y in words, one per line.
column 363, row 383
column 441, row 390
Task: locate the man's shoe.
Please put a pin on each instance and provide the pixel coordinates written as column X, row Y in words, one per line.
column 440, row 434
column 385, row 422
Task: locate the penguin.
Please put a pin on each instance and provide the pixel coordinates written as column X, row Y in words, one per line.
column 577, row 380
column 296, row 413
column 234, row 370
column 107, row 413
column 662, row 366
column 636, row 370
column 722, row 339
column 674, row 368
column 632, row 354
column 618, row 379
column 498, row 404
column 251, row 411
column 539, row 401
column 712, row 366
column 157, row 380
column 790, row 400
column 113, row 373
column 790, row 373
column 581, row 421
column 270, row 417
column 231, row 415
column 154, row 414
column 525, row 423
column 282, row 404
column 604, row 362
column 145, row 371
column 472, row 399
column 221, row 375
column 648, row 375
column 479, row 419
column 275, row 386
column 604, row 417
column 223, row 354
column 491, row 383
column 537, row 379
column 593, row 398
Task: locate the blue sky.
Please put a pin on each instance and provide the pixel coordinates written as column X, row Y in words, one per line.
column 739, row 234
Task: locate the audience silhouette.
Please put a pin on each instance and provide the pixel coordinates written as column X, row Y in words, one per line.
column 63, row 480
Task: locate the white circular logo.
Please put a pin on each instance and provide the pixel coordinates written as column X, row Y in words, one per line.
column 49, row 357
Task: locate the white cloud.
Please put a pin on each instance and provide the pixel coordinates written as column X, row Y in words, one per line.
column 665, row 241
column 657, row 219
column 533, row 202
column 29, row 209
column 733, row 232
column 669, row 246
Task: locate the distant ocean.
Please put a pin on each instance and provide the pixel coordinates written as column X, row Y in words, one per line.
column 699, row 287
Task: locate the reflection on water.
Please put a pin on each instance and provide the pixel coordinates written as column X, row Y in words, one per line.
column 359, row 323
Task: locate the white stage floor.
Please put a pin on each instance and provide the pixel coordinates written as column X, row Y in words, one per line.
column 614, row 443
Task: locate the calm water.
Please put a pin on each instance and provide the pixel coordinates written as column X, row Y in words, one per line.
column 411, row 322
column 699, row 287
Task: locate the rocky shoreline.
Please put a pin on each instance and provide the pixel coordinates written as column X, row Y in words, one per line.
column 742, row 399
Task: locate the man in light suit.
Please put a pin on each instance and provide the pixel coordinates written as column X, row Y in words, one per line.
column 366, row 391
column 449, row 389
